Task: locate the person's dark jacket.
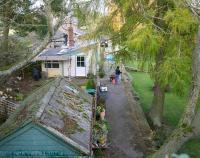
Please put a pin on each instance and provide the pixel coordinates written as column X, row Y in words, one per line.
column 117, row 72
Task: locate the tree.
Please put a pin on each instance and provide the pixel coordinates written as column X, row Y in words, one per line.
column 189, row 123
column 162, row 33
column 12, row 19
column 23, row 18
column 89, row 15
column 8, row 11
column 146, row 34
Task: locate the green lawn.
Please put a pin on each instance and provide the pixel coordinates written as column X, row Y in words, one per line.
column 191, row 148
column 137, row 65
column 173, row 108
column 174, row 105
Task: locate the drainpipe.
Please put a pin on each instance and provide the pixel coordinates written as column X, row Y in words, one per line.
column 70, row 66
column 45, row 61
column 63, row 68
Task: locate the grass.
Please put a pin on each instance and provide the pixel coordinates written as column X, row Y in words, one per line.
column 191, row 148
column 173, row 108
column 6, row 67
column 174, row 105
column 137, row 65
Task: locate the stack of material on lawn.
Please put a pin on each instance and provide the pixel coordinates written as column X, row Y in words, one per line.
column 55, row 120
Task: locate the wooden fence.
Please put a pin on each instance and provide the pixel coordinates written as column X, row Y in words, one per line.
column 7, row 108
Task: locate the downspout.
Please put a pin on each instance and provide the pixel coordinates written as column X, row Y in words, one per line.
column 75, row 65
column 63, row 68
column 85, row 66
column 45, row 61
column 91, row 129
column 70, row 67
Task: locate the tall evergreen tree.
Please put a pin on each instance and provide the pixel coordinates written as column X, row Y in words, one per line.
column 188, row 126
column 149, row 33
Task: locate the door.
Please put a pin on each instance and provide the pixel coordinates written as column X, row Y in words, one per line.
column 80, row 66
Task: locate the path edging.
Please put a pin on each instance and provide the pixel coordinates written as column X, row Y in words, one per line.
column 144, row 129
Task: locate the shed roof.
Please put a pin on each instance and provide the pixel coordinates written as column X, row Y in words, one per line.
column 59, row 106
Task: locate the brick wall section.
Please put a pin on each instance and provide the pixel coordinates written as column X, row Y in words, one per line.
column 71, row 36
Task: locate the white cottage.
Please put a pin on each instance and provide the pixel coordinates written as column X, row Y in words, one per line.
column 71, row 60
column 67, row 62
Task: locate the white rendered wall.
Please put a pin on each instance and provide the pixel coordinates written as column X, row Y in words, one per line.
column 52, row 72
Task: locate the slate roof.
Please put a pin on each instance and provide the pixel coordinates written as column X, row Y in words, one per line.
column 64, row 53
column 50, row 52
column 60, row 53
column 59, row 106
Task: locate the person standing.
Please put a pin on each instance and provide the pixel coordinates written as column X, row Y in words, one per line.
column 65, row 36
column 117, row 75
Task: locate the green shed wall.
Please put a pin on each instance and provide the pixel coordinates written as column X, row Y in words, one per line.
column 32, row 141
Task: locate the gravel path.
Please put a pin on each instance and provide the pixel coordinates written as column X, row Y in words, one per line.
column 122, row 135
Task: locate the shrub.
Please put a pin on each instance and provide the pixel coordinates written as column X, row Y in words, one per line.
column 19, row 96
column 90, row 84
column 101, row 73
column 90, row 75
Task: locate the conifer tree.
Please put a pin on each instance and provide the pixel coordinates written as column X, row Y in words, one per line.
column 188, row 126
column 159, row 33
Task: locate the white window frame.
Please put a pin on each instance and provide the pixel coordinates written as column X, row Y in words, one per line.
column 51, row 66
column 81, row 61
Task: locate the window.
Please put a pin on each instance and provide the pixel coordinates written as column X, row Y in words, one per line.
column 51, row 64
column 55, row 64
column 47, row 64
column 80, row 61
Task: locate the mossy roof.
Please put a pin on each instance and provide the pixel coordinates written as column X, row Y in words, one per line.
column 61, row 107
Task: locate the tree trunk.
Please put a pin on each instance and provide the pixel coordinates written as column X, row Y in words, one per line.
column 189, row 113
column 7, row 16
column 23, row 63
column 189, row 124
column 5, row 42
column 184, row 131
column 176, row 140
column 49, row 16
column 195, row 124
column 91, row 62
column 194, row 91
column 156, row 111
column 187, row 129
column 180, row 136
column 102, row 51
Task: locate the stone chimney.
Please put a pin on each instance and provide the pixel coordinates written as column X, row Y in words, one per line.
column 70, row 36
